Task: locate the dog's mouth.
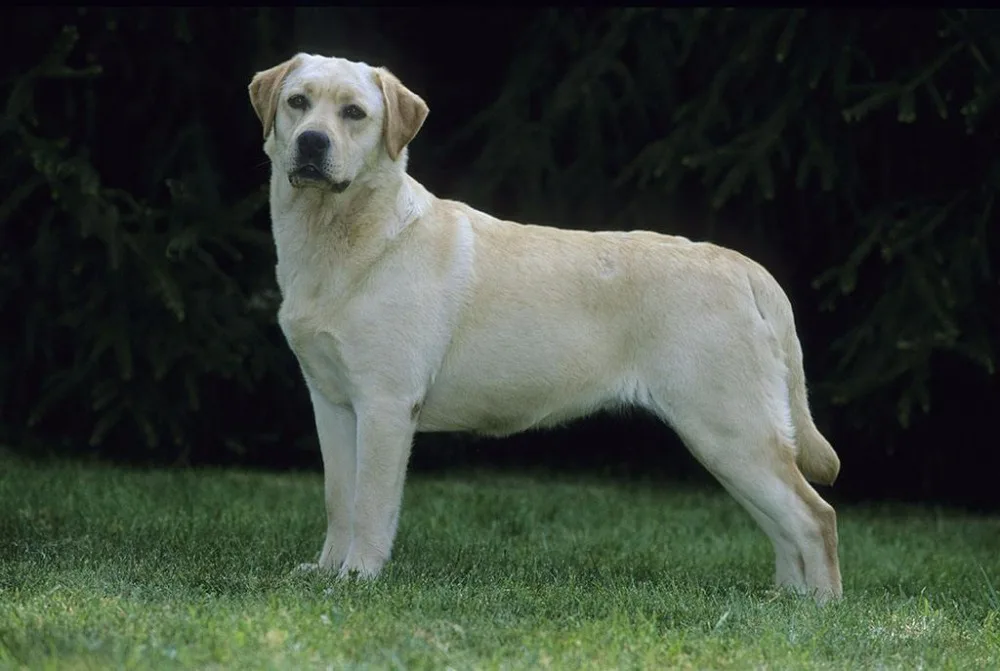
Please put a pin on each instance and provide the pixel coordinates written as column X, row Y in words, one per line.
column 309, row 175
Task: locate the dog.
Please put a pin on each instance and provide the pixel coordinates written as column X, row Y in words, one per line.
column 408, row 312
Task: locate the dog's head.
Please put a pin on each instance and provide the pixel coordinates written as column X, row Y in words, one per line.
column 329, row 120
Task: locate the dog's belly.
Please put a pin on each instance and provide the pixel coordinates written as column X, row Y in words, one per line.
column 502, row 414
column 552, row 375
column 506, row 415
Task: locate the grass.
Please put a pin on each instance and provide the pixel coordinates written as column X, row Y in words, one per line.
column 103, row 567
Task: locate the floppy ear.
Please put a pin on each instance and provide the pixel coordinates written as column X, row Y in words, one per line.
column 405, row 112
column 264, row 90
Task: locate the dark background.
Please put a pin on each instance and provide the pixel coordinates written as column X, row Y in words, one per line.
column 854, row 153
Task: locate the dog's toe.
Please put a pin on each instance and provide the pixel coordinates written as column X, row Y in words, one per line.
column 308, row 567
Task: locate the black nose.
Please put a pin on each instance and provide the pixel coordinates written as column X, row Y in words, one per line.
column 313, row 145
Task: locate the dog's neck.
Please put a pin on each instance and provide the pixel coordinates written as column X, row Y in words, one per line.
column 342, row 233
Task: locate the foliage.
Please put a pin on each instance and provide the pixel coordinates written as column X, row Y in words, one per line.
column 860, row 143
column 135, row 274
column 132, row 290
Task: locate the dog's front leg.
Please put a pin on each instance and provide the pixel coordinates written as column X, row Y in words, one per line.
column 385, row 435
column 336, row 426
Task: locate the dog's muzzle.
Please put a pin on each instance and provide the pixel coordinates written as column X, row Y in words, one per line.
column 310, row 175
column 312, row 157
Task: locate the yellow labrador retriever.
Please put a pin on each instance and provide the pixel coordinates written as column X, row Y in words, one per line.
column 410, row 313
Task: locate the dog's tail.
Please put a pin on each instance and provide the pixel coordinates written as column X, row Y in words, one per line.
column 815, row 456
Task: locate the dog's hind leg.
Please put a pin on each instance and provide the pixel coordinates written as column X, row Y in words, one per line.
column 758, row 469
column 729, row 404
column 789, row 569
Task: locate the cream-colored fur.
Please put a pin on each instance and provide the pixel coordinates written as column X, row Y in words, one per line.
column 410, row 313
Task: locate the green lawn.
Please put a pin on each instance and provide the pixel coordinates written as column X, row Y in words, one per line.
column 106, row 567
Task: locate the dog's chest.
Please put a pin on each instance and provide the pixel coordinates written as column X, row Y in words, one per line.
column 310, row 329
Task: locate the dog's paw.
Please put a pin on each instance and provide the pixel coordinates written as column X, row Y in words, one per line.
column 360, row 573
column 361, row 566
column 307, row 567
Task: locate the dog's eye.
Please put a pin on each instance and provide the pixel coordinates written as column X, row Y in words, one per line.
column 298, row 102
column 353, row 112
